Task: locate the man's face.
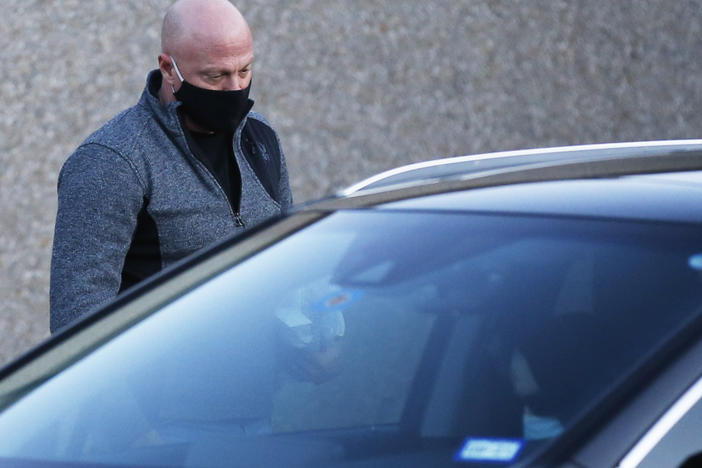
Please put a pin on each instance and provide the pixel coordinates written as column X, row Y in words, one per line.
column 221, row 62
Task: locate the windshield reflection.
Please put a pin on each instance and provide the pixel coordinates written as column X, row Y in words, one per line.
column 372, row 335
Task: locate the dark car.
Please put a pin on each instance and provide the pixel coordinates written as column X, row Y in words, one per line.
column 535, row 308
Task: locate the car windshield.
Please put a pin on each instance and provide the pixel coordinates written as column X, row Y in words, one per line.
column 375, row 337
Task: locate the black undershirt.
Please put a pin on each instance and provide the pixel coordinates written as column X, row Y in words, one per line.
column 215, row 151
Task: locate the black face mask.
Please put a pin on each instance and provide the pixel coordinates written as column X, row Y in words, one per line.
column 214, row 110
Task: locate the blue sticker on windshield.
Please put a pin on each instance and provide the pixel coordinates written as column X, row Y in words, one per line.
column 490, row 450
column 339, row 300
column 695, row 262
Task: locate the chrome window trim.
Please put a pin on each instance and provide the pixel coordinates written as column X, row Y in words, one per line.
column 660, row 428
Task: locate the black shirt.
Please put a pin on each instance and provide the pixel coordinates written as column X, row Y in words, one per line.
column 215, row 151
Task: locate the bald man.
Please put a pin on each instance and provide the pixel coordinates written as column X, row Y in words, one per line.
column 188, row 165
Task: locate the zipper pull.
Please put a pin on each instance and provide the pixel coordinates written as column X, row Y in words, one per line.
column 239, row 221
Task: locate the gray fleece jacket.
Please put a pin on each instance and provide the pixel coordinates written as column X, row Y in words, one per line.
column 133, row 199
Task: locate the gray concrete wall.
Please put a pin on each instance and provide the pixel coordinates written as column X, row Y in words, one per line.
column 354, row 87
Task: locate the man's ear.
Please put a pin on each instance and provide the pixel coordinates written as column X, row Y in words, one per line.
column 165, row 64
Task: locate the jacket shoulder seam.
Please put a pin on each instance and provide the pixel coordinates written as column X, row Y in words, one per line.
column 129, row 162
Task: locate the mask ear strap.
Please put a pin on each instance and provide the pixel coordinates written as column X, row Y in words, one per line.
column 175, row 67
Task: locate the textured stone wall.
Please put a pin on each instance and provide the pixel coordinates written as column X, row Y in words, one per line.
column 354, row 87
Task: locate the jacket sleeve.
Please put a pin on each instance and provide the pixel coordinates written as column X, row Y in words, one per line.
column 99, row 198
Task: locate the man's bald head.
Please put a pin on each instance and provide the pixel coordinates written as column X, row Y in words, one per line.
column 211, row 44
column 202, row 23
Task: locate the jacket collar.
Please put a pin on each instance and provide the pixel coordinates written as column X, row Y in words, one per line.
column 166, row 115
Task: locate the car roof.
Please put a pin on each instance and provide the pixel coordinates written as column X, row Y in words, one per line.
column 509, row 161
column 555, row 165
column 669, row 197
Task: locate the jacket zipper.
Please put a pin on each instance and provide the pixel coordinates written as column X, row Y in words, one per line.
column 239, row 221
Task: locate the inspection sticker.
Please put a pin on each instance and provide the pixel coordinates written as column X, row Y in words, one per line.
column 496, row 450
